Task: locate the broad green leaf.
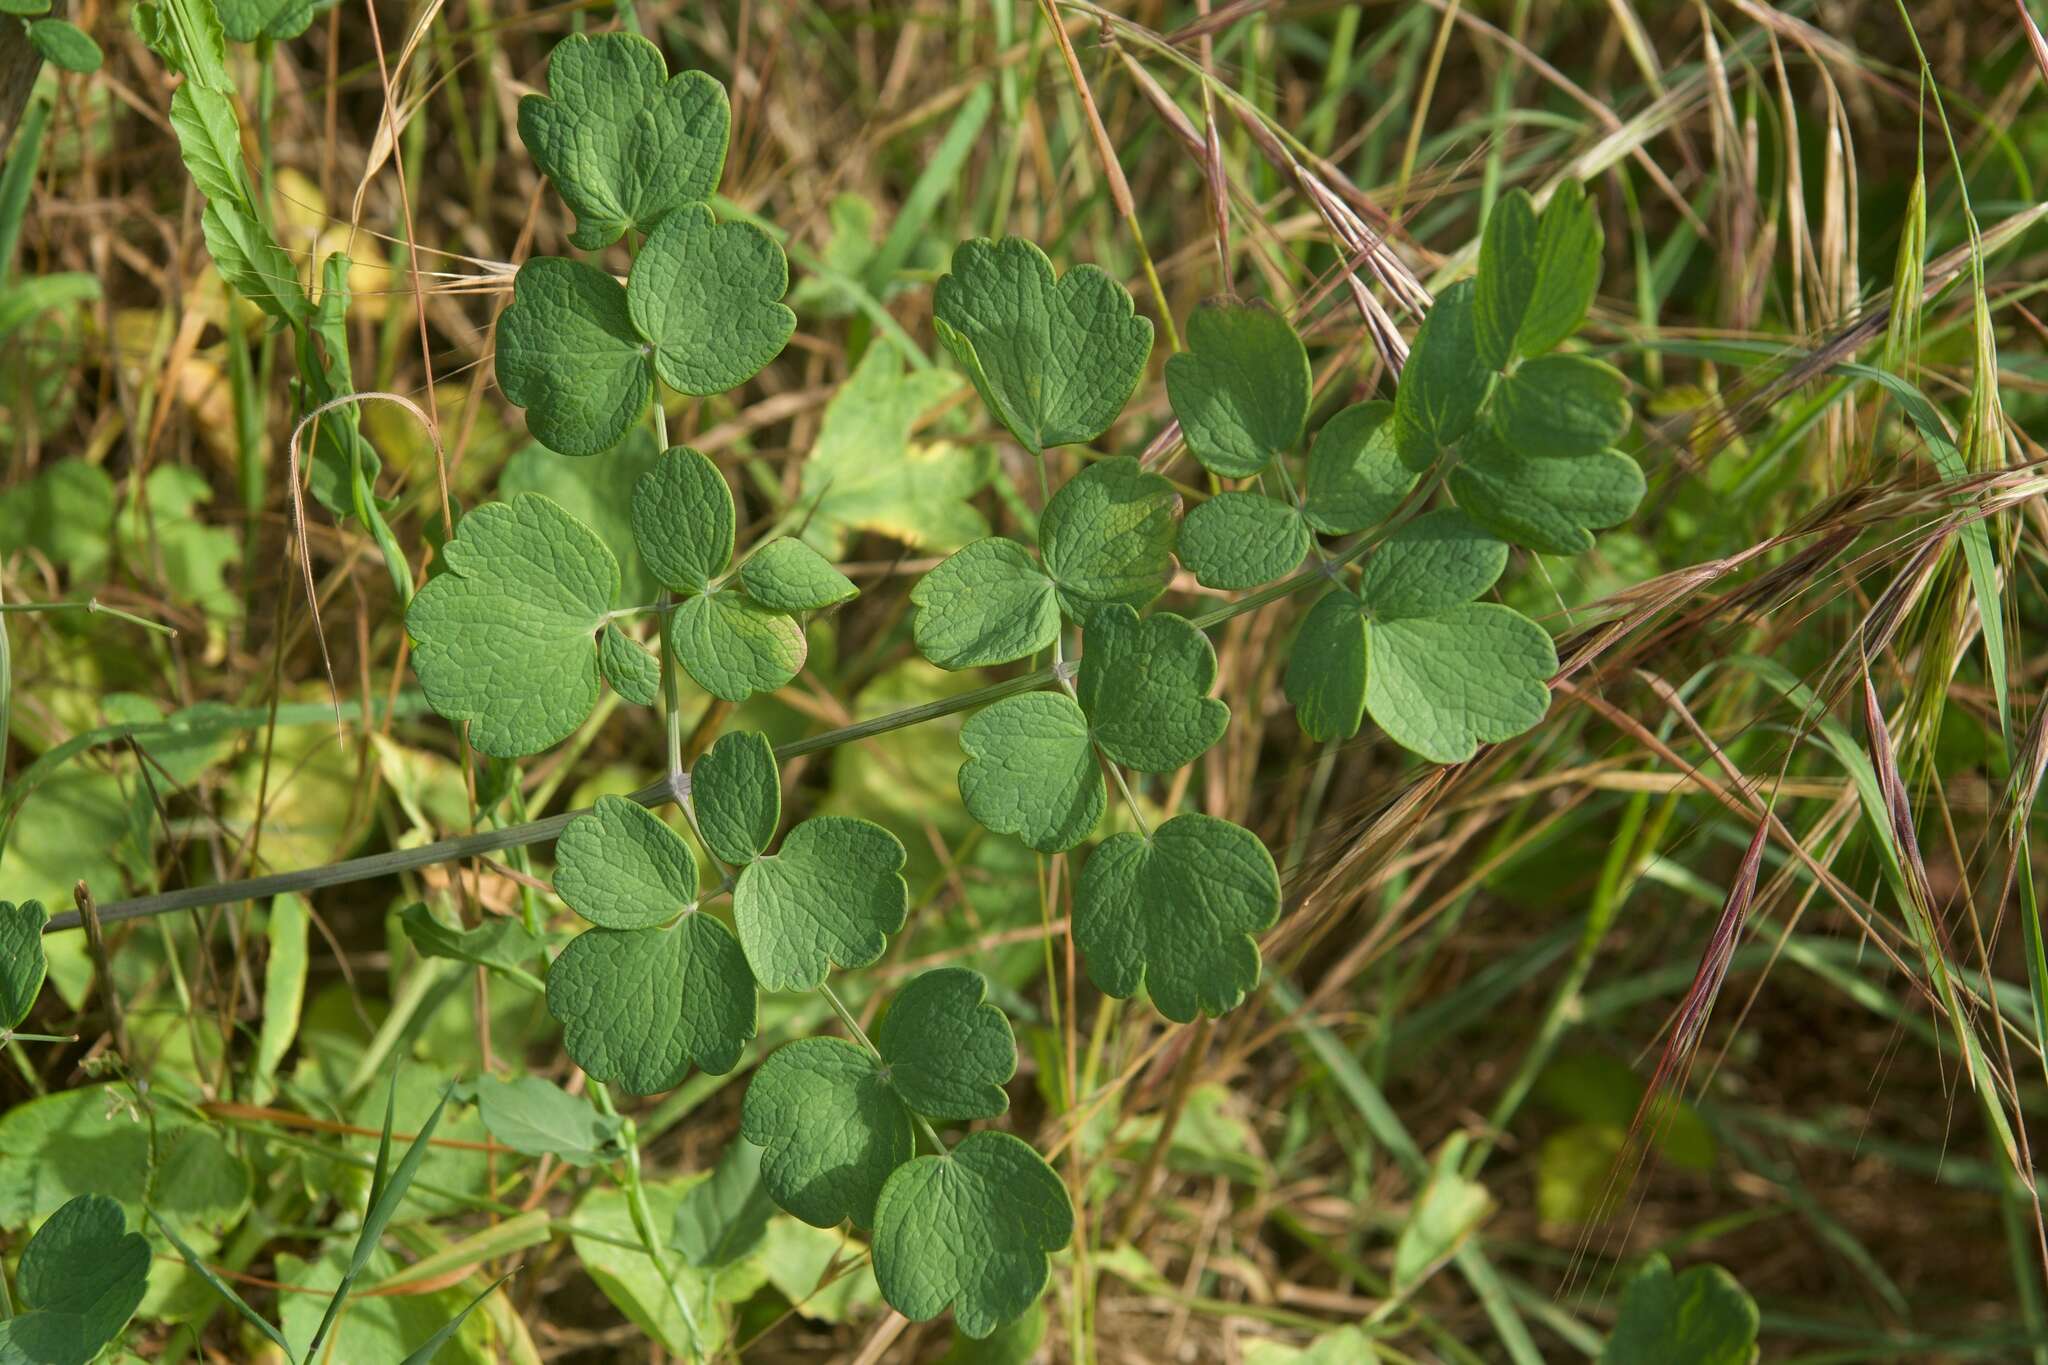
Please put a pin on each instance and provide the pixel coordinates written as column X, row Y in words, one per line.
column 1108, row 536
column 1241, row 389
column 829, row 897
column 597, row 491
column 864, row 473
column 949, row 1052
column 970, row 1230
column 1444, row 382
column 251, row 260
column 987, row 603
column 1176, row 914
column 247, row 20
column 1549, row 505
column 1145, row 684
column 788, row 575
column 1557, row 406
column 832, row 1128
column 683, row 520
column 500, row 942
column 284, row 984
column 1356, row 477
column 1241, row 540
column 1703, row 1317
column 638, row 1007
column 708, row 297
column 608, row 1248
column 1326, row 668
column 620, row 867
column 539, row 1118
column 1055, row 361
column 25, row 7
column 65, row 45
column 506, row 638
column 736, row 796
column 1536, row 275
column 66, row 512
column 568, row 354
column 633, row 673
column 1031, row 770
column 82, row 1275
column 210, row 140
column 21, row 959
column 1438, row 560
column 623, row 141
column 1449, row 1210
column 1442, row 685
column 733, row 646
column 721, row 1220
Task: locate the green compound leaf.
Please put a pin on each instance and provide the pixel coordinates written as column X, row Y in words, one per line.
column 708, row 296
column 506, row 639
column 1444, row 382
column 639, row 1006
column 1548, row 505
column 1557, row 406
column 1144, row 684
column 987, row 603
column 1435, row 561
column 1326, row 668
column 736, row 796
column 1031, row 771
column 633, row 673
column 1177, row 914
column 1241, row 540
column 1356, row 477
column 949, row 1052
column 1054, row 361
column 247, row 20
column 1442, row 685
column 21, row 959
column 832, row 1129
column 82, row 1276
column 1241, row 390
column 788, row 575
column 828, row 898
column 1703, row 1317
column 1536, row 275
column 624, row 141
column 971, row 1231
column 1108, row 536
column 65, row 45
column 733, row 646
column 683, row 520
column 620, row 867
column 568, row 354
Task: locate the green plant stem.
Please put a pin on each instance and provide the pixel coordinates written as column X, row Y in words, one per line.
column 95, row 607
column 860, row 1035
column 643, row 1215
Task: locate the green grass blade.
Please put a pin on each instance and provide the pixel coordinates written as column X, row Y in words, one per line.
column 220, row 1286
column 433, row 1344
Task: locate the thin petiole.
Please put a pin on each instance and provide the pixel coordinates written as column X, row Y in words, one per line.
column 95, row 607
column 860, row 1035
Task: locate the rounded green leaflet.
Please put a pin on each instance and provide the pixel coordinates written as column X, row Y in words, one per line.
column 733, row 646
column 1144, row 684
column 22, row 964
column 1241, row 540
column 1444, row 382
column 736, row 796
column 622, row 140
column 1435, row 561
column 1108, row 536
column 683, row 520
column 987, row 603
column 1241, row 389
column 1557, row 406
column 639, row 1007
column 829, row 897
column 1536, row 275
column 1054, row 360
column 788, row 575
column 948, row 1051
column 82, row 1276
column 633, row 673
column 1356, row 477
column 832, row 1128
column 1031, row 771
column 1176, row 914
column 506, row 637
column 708, row 297
column 245, row 21
column 970, row 1230
column 1474, row 673
column 1550, row 505
column 620, row 867
column 1325, row 677
column 568, row 354
column 65, row 45
column 1703, row 1317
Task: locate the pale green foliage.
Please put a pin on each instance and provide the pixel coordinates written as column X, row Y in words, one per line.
column 1356, row 477
column 829, row 897
column 1444, row 384
column 683, row 520
column 1240, row 540
column 538, row 1118
column 247, row 20
column 639, row 1007
column 1549, row 505
column 21, row 959
column 737, row 796
column 65, row 45
column 1145, row 684
column 1450, row 1209
column 1536, row 275
column 1241, row 389
column 832, row 1127
column 1108, row 536
column 620, row 867
column 82, row 1275
column 733, row 646
column 708, row 297
column 568, row 354
column 1702, row 1317
column 988, row 603
column 787, row 575
column 721, row 1220
column 633, row 673
column 949, row 1052
column 1561, row 405
column 1031, row 770
column 498, row 942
